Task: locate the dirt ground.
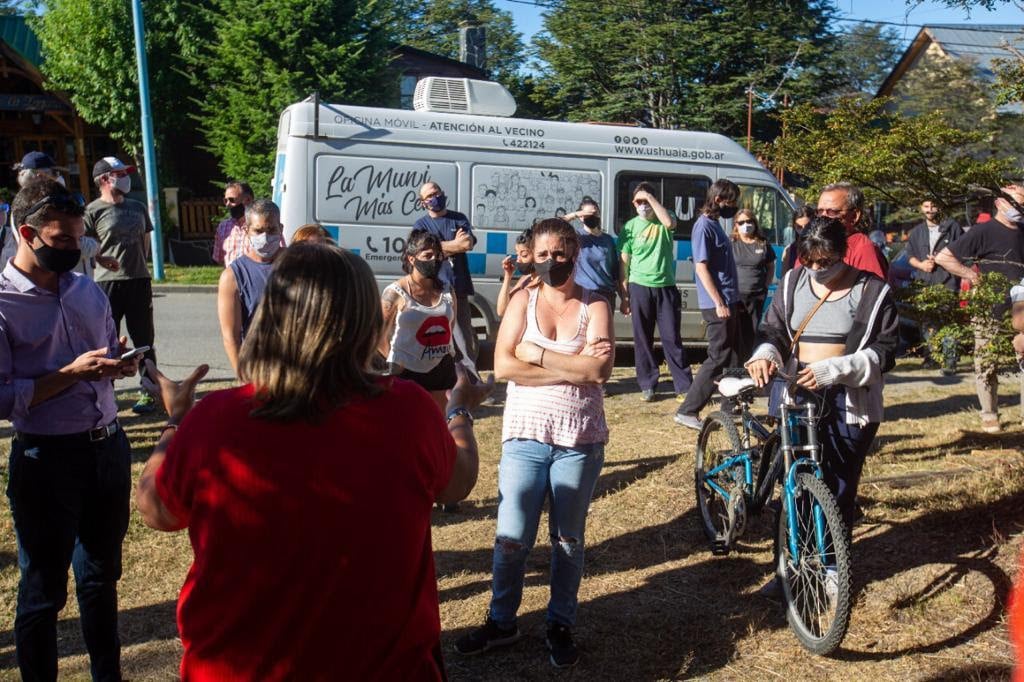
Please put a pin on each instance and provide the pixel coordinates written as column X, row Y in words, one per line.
column 934, row 559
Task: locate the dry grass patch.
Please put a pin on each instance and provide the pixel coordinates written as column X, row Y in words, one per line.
column 933, row 561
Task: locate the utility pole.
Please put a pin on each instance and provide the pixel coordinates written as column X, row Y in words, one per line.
column 148, row 150
column 750, row 114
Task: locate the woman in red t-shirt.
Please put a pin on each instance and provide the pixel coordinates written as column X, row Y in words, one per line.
column 307, row 511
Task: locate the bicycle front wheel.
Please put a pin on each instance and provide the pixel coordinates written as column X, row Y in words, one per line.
column 816, row 578
column 715, row 484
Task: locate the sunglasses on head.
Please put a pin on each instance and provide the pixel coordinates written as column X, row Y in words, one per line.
column 71, row 204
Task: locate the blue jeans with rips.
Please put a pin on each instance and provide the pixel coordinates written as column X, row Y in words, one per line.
column 529, row 473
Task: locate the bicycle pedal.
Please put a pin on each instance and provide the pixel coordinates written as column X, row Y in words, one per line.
column 719, row 548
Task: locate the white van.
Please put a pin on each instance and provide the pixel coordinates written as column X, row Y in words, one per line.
column 357, row 171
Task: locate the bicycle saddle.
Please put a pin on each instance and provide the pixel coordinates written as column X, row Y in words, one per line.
column 730, row 387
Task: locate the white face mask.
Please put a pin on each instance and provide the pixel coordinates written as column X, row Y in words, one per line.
column 1012, row 214
column 645, row 211
column 265, row 244
column 747, row 228
column 123, row 184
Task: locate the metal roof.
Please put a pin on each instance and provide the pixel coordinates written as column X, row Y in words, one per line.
column 978, row 42
column 15, row 32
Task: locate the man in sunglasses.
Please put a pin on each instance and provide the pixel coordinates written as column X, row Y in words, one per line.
column 844, row 202
column 122, row 227
column 993, row 246
column 69, row 477
column 230, row 241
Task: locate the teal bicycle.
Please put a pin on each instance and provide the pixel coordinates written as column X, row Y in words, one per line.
column 737, row 468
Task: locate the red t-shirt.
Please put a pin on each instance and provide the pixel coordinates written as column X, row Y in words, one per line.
column 312, row 541
column 862, row 254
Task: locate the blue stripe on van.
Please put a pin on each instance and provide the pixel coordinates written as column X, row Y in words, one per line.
column 684, row 250
column 478, row 261
column 497, row 243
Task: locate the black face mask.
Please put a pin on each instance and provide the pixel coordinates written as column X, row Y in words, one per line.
column 427, row 268
column 592, row 221
column 553, row 273
column 56, row 260
column 237, row 211
column 524, row 268
column 727, row 212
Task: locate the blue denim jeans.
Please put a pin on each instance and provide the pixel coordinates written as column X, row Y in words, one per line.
column 69, row 499
column 529, row 473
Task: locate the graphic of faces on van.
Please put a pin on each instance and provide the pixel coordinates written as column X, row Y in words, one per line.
column 501, row 217
column 490, row 194
column 435, row 334
column 529, row 202
column 520, row 192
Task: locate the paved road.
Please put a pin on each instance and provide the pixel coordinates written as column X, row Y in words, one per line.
column 187, row 335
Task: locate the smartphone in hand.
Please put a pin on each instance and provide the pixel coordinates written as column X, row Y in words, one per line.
column 134, row 353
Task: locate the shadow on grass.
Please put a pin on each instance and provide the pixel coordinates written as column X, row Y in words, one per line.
column 963, row 444
column 982, row 672
column 155, row 622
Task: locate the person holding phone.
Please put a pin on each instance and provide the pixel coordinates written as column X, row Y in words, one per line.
column 69, row 478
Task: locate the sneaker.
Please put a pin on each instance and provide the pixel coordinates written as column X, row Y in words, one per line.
column 647, row 395
column 450, row 508
column 145, row 404
column 990, row 424
column 690, row 421
column 563, row 650
column 831, row 584
column 487, row 636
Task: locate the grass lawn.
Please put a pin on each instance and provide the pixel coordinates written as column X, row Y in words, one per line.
column 193, row 274
column 934, row 559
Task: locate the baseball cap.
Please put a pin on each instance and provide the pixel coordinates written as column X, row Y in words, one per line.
column 108, row 164
column 38, row 161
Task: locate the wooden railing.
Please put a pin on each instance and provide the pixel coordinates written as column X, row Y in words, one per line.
column 199, row 218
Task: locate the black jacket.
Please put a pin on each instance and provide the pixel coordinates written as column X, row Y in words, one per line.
column 917, row 246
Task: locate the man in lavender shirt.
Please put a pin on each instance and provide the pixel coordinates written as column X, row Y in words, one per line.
column 69, row 475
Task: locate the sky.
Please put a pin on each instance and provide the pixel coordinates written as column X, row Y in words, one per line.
column 529, row 21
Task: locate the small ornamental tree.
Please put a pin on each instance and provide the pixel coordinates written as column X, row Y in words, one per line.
column 937, row 307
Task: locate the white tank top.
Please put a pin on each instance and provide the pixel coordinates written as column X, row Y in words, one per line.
column 563, row 414
column 423, row 334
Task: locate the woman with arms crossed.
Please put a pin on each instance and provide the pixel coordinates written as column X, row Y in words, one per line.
column 555, row 347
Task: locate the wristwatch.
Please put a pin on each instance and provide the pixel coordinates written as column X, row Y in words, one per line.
column 459, row 412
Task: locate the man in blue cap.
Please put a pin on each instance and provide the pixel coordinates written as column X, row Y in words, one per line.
column 33, row 165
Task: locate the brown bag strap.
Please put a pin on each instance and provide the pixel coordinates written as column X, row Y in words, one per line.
column 803, row 325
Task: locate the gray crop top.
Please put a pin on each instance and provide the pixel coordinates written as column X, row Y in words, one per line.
column 833, row 321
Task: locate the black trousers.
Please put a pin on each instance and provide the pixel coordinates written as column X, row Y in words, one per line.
column 748, row 310
column 132, row 301
column 722, row 336
column 661, row 306
column 69, row 499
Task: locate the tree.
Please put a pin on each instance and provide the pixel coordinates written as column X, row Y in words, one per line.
column 861, row 60
column 892, row 157
column 89, row 53
column 267, row 54
column 679, row 64
column 434, row 27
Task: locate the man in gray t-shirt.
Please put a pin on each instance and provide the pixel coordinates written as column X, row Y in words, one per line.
column 122, row 226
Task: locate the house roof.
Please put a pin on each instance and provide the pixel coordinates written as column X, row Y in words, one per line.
column 15, row 32
column 981, row 43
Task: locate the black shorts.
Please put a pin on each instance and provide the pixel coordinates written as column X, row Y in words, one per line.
column 441, row 378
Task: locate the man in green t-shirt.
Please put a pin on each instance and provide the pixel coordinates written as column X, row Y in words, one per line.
column 649, row 277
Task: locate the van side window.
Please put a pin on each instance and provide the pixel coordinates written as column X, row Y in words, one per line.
column 774, row 215
column 682, row 195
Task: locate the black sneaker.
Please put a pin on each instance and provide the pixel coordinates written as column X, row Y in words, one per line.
column 485, row 637
column 562, row 648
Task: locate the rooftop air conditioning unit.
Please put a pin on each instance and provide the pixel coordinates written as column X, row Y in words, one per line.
column 463, row 96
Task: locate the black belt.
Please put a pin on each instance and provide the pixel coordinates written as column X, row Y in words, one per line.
column 100, row 433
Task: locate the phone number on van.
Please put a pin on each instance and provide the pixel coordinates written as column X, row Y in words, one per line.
column 523, row 144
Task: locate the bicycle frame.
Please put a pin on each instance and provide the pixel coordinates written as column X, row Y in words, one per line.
column 748, row 475
column 792, row 465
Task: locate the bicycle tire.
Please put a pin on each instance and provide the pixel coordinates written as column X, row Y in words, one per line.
column 818, row 619
column 769, row 472
column 718, row 430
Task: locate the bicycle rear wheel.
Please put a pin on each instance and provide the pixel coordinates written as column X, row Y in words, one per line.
column 718, row 441
column 815, row 582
